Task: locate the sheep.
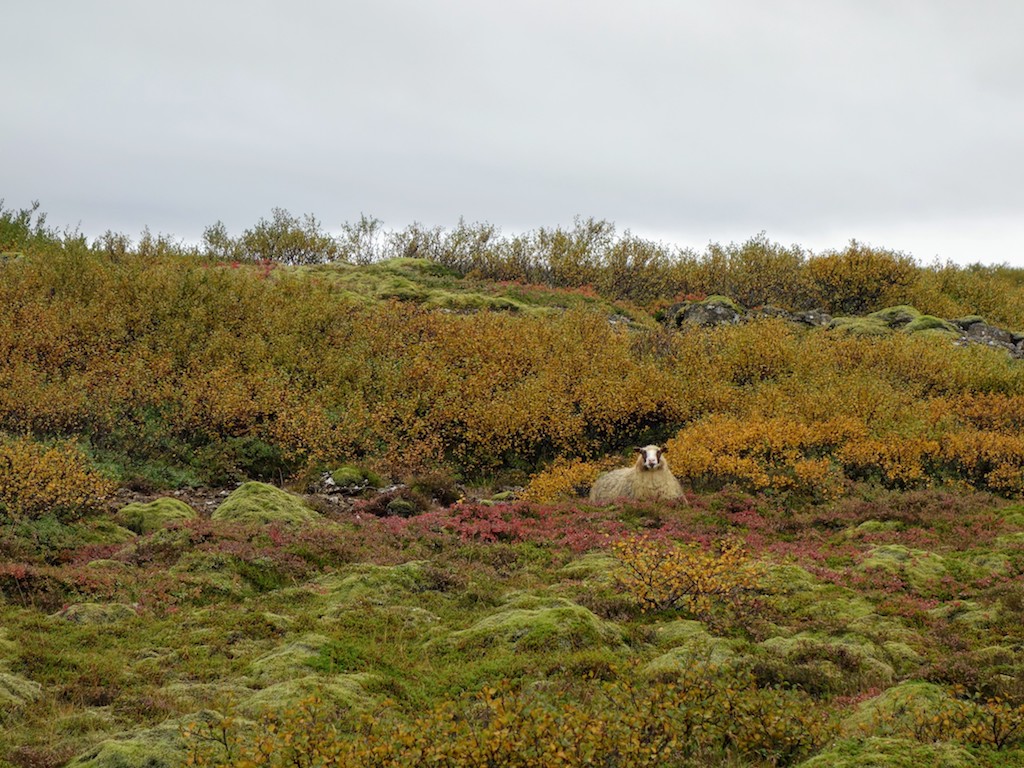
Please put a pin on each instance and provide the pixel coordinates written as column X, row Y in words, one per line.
column 648, row 478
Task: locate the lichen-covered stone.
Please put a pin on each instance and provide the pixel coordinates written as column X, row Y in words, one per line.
column 539, row 624
column 262, row 503
column 146, row 518
column 890, row 753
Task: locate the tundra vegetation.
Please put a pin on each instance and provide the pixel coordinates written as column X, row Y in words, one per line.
column 293, row 498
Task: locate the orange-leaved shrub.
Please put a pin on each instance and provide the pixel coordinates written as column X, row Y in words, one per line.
column 778, row 454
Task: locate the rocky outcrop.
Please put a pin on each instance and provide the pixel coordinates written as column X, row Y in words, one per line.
column 717, row 311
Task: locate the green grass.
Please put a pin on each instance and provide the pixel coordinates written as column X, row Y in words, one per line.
column 419, row 621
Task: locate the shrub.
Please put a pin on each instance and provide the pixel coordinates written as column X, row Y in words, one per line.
column 36, row 480
column 705, row 717
column 564, row 479
column 859, row 279
column 660, row 575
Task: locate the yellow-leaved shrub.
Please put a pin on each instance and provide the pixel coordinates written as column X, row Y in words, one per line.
column 661, row 575
column 36, row 479
column 564, row 479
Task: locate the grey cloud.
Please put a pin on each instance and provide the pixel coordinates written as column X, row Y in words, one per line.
column 670, row 117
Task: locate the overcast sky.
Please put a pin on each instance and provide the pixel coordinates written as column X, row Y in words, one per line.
column 899, row 123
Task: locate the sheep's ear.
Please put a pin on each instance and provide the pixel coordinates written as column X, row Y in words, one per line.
column 663, row 451
column 639, row 449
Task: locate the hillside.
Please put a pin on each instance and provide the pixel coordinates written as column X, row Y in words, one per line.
column 275, row 501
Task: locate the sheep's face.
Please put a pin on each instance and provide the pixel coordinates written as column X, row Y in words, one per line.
column 650, row 456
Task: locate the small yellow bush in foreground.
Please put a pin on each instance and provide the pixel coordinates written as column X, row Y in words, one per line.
column 661, row 575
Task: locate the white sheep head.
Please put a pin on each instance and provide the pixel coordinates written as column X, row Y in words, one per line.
column 650, row 457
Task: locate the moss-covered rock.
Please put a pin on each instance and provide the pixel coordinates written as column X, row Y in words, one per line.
column 860, row 326
column 690, row 643
column 921, row 569
column 967, row 321
column 146, row 518
column 931, row 324
column 896, row 317
column 533, row 624
column 344, row 691
column 17, row 691
column 824, row 664
column 289, row 661
column 98, row 613
column 261, row 503
column 898, row 709
column 350, row 477
column 373, row 584
column 160, row 747
column 890, row 753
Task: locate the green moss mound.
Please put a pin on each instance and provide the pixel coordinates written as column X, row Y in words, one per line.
column 289, row 661
column 367, row 584
column 827, row 664
column 160, row 747
column 17, row 691
column 533, row 624
column 264, row 504
column 350, row 476
column 890, row 753
column 896, row 317
column 900, row 708
column 920, row 568
column 932, row 324
column 146, row 518
column 903, row 318
column 98, row 613
column 690, row 643
column 342, row 691
column 860, row 326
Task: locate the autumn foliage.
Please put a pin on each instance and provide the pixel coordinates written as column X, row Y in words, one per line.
column 154, row 357
column 36, row 479
column 701, row 718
